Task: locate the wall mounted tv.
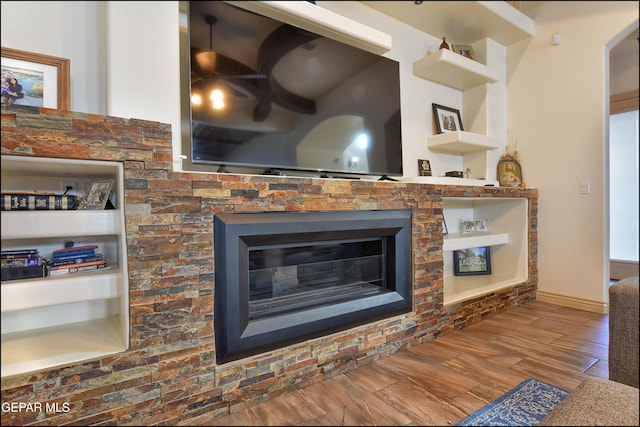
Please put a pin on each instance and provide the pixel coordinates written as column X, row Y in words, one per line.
column 262, row 96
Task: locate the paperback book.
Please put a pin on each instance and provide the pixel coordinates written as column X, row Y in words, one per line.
column 18, row 253
column 72, row 270
column 77, row 265
column 77, row 260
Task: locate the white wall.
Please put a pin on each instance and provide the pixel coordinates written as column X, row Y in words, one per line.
column 558, row 107
column 125, row 62
column 68, row 29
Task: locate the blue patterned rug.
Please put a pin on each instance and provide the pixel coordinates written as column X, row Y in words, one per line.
column 525, row 405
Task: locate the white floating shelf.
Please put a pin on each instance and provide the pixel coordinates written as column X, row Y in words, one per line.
column 459, row 142
column 321, row 21
column 462, row 22
column 454, row 70
column 457, row 241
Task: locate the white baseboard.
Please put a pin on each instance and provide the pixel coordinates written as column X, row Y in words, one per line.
column 619, row 269
column 573, row 302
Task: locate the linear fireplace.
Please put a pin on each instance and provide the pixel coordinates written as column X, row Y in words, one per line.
column 282, row 277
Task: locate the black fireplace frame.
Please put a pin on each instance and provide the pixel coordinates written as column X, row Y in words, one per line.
column 236, row 336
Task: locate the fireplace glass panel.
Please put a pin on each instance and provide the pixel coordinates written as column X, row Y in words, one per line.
column 286, row 279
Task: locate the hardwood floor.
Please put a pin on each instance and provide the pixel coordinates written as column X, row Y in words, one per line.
column 443, row 381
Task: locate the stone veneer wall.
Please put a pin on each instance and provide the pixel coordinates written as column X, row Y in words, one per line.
column 169, row 375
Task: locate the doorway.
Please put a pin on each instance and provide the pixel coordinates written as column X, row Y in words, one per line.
column 623, row 157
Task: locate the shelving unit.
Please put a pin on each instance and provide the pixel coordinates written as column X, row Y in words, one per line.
column 52, row 321
column 507, row 236
column 489, row 26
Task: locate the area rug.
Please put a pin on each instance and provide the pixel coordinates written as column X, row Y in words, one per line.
column 525, row 405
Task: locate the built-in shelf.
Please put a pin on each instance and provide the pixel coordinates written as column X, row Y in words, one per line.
column 44, row 224
column 457, row 241
column 462, row 22
column 454, row 70
column 63, row 319
column 459, row 142
column 507, row 238
column 462, row 288
column 37, row 349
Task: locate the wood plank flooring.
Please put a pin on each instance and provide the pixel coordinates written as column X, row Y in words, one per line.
column 443, row 381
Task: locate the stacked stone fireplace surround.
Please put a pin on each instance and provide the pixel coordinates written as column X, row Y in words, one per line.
column 169, row 374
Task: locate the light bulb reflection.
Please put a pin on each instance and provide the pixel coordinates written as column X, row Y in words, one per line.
column 217, row 99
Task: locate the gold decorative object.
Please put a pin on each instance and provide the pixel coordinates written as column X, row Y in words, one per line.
column 509, row 169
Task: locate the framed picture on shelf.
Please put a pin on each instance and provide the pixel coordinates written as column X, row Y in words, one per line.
column 424, row 167
column 447, row 119
column 445, row 230
column 481, row 225
column 97, row 195
column 35, row 80
column 472, row 261
column 467, row 225
column 464, row 50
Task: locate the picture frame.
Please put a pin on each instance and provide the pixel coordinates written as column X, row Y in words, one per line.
column 464, row 50
column 97, row 195
column 445, row 230
column 472, row 261
column 509, row 173
column 481, row 225
column 447, row 119
column 45, row 79
column 467, row 225
column 424, row 167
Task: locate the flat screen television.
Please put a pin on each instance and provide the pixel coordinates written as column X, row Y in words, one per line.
column 263, row 96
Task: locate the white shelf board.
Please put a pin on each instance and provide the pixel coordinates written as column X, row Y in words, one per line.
column 463, row 22
column 448, row 180
column 75, row 287
column 454, row 70
column 462, row 288
column 43, row 224
column 321, row 21
column 459, row 142
column 46, row 348
column 457, row 241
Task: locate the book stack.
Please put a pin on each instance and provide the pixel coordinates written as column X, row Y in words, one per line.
column 76, row 259
column 22, row 264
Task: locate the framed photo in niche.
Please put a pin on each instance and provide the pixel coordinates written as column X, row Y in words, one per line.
column 464, row 50
column 447, row 119
column 42, row 80
column 97, row 196
column 472, row 261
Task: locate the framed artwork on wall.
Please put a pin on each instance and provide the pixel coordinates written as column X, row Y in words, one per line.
column 35, row 80
column 447, row 119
